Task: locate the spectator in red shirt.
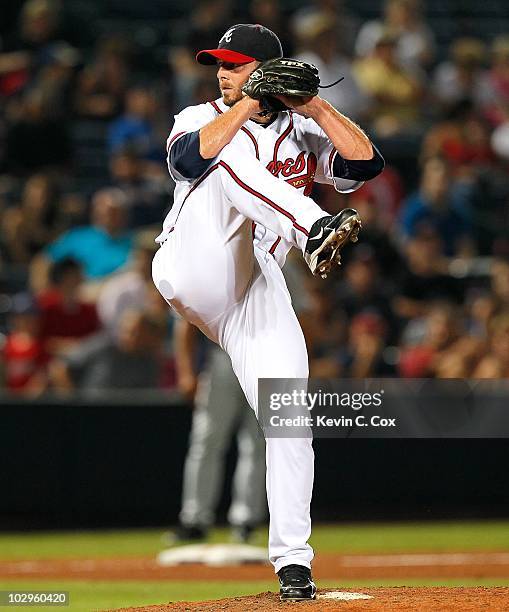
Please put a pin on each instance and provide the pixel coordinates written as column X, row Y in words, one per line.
column 24, row 358
column 462, row 139
column 442, row 330
column 65, row 318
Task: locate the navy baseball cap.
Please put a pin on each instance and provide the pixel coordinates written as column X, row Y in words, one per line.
column 243, row 43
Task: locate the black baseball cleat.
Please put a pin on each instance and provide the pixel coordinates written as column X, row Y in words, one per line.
column 296, row 583
column 327, row 237
column 242, row 533
column 185, row 533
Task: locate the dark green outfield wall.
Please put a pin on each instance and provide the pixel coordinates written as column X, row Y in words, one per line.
column 83, row 465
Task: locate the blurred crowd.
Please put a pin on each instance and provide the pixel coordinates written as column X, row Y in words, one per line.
column 87, row 96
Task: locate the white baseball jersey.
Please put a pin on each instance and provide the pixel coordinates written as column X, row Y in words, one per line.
column 292, row 148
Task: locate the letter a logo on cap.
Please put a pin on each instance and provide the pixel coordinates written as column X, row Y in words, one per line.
column 227, row 36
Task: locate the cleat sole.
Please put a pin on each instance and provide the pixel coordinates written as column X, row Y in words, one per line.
column 347, row 232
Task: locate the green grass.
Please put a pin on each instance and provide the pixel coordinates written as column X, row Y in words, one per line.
column 356, row 537
column 408, row 537
column 346, row 538
column 80, row 544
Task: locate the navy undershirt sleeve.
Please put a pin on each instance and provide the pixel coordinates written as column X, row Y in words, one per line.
column 358, row 169
column 186, row 159
column 185, row 156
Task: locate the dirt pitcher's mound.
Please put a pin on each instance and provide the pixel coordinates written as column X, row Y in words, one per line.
column 400, row 599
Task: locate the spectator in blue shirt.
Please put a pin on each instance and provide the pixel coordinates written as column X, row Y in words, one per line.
column 439, row 206
column 101, row 248
column 135, row 128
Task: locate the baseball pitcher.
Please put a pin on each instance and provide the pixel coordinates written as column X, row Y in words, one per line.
column 244, row 166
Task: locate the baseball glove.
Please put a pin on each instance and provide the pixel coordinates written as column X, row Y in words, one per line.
column 281, row 77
